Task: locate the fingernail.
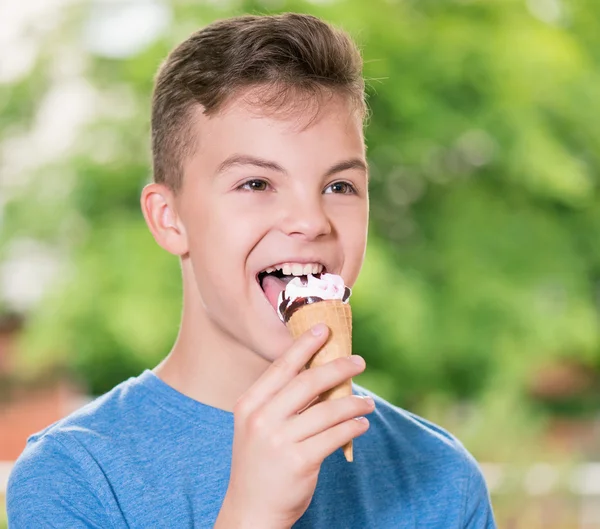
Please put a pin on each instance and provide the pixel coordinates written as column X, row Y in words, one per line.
column 363, row 420
column 319, row 329
column 369, row 400
column 357, row 359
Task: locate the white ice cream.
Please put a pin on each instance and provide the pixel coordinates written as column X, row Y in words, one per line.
column 327, row 286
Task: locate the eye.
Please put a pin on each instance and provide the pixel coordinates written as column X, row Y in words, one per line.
column 341, row 188
column 255, row 185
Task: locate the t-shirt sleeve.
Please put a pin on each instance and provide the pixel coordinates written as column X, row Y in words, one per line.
column 478, row 513
column 48, row 487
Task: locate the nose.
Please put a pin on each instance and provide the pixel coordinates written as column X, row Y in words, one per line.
column 306, row 219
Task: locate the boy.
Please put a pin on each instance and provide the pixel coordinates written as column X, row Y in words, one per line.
column 259, row 161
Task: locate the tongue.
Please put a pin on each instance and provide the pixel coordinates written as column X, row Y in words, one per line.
column 272, row 286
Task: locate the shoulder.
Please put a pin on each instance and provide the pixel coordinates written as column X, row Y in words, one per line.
column 52, row 484
column 434, row 460
column 86, row 431
column 60, row 462
column 65, row 446
column 96, row 419
column 417, row 436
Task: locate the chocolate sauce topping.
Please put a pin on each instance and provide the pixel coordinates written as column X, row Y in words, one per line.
column 346, row 295
column 287, row 309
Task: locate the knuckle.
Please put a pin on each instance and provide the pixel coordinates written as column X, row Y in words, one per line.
column 277, row 440
column 242, row 407
column 342, row 366
column 304, row 381
column 282, row 364
column 348, row 429
column 256, row 423
column 298, row 462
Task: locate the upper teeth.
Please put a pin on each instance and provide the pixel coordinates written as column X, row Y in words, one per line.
column 297, row 269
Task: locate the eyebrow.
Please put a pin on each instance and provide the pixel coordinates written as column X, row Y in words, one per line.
column 246, row 159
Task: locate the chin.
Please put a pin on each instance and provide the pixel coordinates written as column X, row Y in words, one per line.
column 273, row 341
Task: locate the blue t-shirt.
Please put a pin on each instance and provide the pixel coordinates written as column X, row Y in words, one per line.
column 145, row 455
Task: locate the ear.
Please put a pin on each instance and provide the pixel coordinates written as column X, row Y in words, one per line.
column 158, row 207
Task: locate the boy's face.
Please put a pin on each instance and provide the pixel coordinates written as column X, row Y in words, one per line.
column 262, row 190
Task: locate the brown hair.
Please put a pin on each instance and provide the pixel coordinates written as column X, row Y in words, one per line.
column 297, row 58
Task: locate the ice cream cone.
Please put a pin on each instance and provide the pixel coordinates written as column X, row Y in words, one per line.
column 337, row 315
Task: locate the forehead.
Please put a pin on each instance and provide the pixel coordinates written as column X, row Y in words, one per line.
column 325, row 128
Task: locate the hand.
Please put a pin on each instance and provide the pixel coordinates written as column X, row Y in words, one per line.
column 281, row 436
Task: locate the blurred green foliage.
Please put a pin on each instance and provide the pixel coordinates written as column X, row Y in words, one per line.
column 3, row 520
column 482, row 265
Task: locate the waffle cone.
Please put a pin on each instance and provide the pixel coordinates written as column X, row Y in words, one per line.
column 338, row 317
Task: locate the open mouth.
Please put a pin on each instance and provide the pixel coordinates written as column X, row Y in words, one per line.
column 273, row 280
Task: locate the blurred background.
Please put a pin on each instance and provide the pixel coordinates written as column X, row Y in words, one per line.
column 479, row 304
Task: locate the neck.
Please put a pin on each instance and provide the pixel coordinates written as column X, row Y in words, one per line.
column 205, row 363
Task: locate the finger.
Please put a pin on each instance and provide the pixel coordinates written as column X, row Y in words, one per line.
column 308, row 385
column 325, row 415
column 316, row 448
column 316, row 400
column 284, row 368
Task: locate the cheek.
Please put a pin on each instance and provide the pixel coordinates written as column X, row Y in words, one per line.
column 220, row 243
column 211, row 249
column 353, row 237
column 355, row 251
